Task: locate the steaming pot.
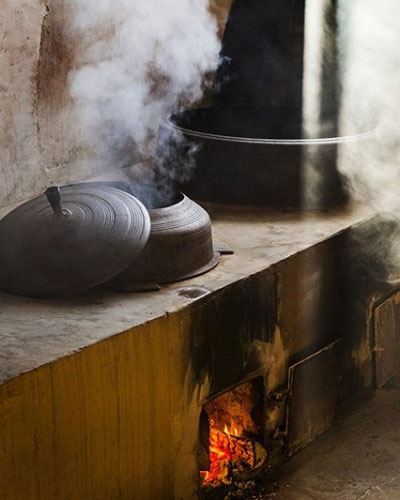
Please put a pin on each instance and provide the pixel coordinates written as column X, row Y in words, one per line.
column 180, row 246
column 255, row 155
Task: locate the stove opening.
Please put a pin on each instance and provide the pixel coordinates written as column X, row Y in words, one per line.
column 231, row 433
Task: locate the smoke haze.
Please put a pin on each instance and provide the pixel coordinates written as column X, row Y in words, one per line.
column 371, row 98
column 370, row 57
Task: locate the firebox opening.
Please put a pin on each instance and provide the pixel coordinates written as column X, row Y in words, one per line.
column 231, row 435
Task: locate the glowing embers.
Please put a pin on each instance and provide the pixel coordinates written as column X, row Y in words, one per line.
column 233, row 435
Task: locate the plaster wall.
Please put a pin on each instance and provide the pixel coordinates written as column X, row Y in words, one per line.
column 38, row 144
column 20, row 32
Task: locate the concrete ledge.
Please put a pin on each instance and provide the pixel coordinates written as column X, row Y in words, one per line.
column 36, row 332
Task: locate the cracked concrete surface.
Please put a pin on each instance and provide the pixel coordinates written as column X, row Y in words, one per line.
column 359, row 458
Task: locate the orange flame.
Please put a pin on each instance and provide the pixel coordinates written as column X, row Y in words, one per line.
column 228, row 452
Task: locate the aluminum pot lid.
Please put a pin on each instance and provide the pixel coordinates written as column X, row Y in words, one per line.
column 71, row 239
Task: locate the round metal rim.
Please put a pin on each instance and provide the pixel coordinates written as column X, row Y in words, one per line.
column 276, row 142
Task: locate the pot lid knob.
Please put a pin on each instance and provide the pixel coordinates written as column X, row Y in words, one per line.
column 54, row 198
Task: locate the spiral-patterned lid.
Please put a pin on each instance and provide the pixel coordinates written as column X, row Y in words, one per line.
column 70, row 240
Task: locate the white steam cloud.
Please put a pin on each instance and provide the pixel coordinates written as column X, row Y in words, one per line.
column 140, row 61
column 371, row 98
column 370, row 41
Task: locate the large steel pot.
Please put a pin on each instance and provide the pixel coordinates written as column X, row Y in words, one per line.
column 253, row 156
column 180, row 246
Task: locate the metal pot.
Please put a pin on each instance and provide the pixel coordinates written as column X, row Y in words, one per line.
column 251, row 155
column 180, row 246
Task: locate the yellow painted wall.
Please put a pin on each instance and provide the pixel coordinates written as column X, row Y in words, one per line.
column 120, row 419
column 105, row 422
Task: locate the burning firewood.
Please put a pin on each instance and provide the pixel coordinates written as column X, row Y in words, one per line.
column 230, row 455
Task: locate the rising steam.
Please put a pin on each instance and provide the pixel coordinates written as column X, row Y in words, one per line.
column 370, row 38
column 140, row 61
column 371, row 98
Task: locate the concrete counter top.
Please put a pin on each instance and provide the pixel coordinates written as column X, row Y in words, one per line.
column 36, row 332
